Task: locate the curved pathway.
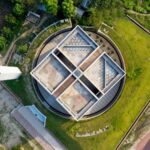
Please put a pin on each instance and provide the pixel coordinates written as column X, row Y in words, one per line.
column 12, row 46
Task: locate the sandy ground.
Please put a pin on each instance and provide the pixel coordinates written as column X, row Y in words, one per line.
column 12, row 130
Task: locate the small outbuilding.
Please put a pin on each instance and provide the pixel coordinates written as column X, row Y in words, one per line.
column 33, row 17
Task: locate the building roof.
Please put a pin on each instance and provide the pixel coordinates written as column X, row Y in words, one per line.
column 40, row 116
column 63, row 73
column 33, row 17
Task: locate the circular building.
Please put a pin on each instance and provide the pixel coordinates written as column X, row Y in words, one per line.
column 78, row 74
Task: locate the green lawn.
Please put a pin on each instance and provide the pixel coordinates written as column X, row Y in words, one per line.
column 135, row 47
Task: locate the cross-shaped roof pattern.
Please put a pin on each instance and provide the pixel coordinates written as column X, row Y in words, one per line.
column 61, row 73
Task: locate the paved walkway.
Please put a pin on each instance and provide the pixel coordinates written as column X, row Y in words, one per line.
column 35, row 128
column 32, row 125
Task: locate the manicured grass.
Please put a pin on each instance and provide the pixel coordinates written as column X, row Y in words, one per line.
column 135, row 47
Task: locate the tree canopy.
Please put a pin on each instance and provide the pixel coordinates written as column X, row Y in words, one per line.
column 138, row 5
column 68, row 8
column 23, row 48
column 51, row 6
column 19, row 9
column 107, row 3
column 29, row 2
column 7, row 32
column 11, row 20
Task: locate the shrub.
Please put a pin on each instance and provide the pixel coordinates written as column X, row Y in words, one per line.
column 11, row 20
column 140, row 9
column 134, row 74
column 7, row 32
column 2, row 42
column 23, row 49
column 130, row 4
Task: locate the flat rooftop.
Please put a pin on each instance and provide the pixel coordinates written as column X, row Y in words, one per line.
column 51, row 73
column 79, row 41
column 77, row 73
column 76, row 98
column 104, row 72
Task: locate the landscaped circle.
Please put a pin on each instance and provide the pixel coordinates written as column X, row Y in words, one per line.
column 78, row 74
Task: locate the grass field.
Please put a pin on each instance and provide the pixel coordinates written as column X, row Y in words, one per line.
column 135, row 47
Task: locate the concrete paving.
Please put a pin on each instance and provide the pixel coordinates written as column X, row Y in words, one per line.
column 35, row 128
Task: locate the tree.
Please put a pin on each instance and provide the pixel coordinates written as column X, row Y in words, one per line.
column 19, row 9
column 16, row 1
column 51, row 6
column 23, row 48
column 103, row 3
column 25, row 2
column 7, row 32
column 30, row 2
column 2, row 42
column 11, row 20
column 107, row 3
column 130, row 4
column 68, row 8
